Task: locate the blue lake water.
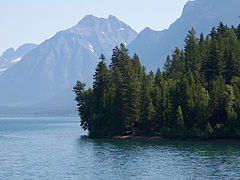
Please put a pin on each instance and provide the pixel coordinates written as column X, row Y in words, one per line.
column 52, row 148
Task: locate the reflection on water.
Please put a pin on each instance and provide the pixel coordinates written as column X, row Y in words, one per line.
column 171, row 160
column 46, row 148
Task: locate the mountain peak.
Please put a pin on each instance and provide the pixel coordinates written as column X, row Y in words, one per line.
column 153, row 47
column 57, row 63
column 146, row 29
column 8, row 52
column 91, row 25
column 91, row 18
column 111, row 17
column 88, row 18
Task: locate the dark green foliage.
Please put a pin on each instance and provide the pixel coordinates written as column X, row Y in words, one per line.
column 196, row 96
column 179, row 124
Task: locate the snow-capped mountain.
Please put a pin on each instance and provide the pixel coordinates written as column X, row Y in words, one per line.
column 42, row 78
column 10, row 57
column 57, row 63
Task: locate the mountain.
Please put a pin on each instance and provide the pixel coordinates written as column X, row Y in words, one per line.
column 51, row 69
column 154, row 46
column 10, row 57
column 41, row 83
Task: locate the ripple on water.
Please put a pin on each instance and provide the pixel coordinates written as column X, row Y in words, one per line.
column 51, row 148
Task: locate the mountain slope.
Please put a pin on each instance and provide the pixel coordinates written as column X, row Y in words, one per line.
column 10, row 57
column 154, row 46
column 57, row 63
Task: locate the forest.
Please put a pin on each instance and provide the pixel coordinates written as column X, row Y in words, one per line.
column 195, row 96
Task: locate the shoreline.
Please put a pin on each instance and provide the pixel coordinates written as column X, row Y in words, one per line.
column 160, row 139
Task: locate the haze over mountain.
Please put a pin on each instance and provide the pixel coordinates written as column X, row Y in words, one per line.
column 57, row 63
column 154, row 46
column 43, row 79
column 10, row 57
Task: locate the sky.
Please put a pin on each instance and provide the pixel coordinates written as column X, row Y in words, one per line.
column 33, row 21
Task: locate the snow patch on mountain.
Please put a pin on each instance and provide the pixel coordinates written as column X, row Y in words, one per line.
column 16, row 60
column 11, row 57
column 3, row 69
column 91, row 48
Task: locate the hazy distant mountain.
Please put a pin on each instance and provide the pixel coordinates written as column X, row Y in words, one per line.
column 56, row 64
column 10, row 57
column 154, row 46
column 42, row 81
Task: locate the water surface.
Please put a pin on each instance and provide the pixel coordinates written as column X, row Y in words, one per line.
column 52, row 148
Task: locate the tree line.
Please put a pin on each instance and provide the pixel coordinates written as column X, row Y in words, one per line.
column 197, row 95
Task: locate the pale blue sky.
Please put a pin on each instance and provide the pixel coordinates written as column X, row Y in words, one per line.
column 33, row 21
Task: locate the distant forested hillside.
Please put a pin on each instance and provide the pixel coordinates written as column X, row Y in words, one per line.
column 196, row 96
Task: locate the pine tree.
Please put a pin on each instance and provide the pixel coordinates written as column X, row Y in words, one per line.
column 85, row 104
column 217, row 102
column 232, row 56
column 129, row 87
column 157, row 103
column 100, row 91
column 211, row 63
column 116, row 111
column 166, row 108
column 177, row 64
column 222, row 29
column 147, row 110
column 192, row 55
column 179, row 127
column 231, row 123
column 167, row 65
column 237, row 31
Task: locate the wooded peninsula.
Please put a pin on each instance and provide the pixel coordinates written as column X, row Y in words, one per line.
column 196, row 96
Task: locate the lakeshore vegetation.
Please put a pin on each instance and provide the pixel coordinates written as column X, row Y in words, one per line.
column 197, row 95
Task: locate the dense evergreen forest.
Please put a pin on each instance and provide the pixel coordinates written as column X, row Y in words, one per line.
column 197, row 95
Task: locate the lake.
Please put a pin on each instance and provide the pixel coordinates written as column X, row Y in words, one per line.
column 52, row 148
